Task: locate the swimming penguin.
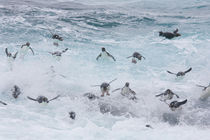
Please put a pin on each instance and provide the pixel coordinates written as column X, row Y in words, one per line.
column 105, row 87
column 167, row 95
column 41, row 99
column 127, row 92
column 16, row 91
column 135, row 56
column 176, row 105
column 11, row 58
column 169, row 35
column 58, row 54
column 180, row 73
column 24, row 49
column 55, row 37
column 91, row 96
column 104, row 53
column 3, row 103
column 72, row 115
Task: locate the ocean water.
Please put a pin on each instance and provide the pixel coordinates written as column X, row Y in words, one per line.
column 122, row 27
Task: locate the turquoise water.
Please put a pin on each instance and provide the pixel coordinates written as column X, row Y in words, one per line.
column 122, row 27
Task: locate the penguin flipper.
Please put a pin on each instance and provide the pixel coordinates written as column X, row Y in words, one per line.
column 188, row 70
column 116, row 89
column 159, row 95
column 98, row 56
column 200, row 86
column 183, row 102
column 54, row 98
column 15, row 55
column 171, row 72
column 6, row 51
column 31, row 98
column 3, row 103
column 31, row 50
column 113, row 80
column 129, row 56
column 133, row 92
column 176, row 95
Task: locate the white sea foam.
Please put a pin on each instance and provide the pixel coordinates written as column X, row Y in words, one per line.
column 122, row 27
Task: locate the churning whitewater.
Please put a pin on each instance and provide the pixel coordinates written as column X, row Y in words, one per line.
column 112, row 70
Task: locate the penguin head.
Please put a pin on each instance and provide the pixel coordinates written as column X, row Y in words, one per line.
column 180, row 74
column 27, row 44
column 168, row 91
column 173, row 104
column 55, row 36
column 103, row 49
column 45, row 100
column 127, row 84
column 72, row 115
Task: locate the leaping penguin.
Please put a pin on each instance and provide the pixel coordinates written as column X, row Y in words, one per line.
column 104, row 53
column 11, row 58
column 9, row 55
column 176, row 105
column 135, row 56
column 127, row 92
column 55, row 37
column 169, row 35
column 24, row 49
column 16, row 91
column 180, row 73
column 105, row 87
column 41, row 99
column 167, row 95
column 58, row 54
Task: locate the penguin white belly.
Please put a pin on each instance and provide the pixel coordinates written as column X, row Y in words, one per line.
column 10, row 62
column 104, row 55
column 205, row 94
column 23, row 51
column 125, row 91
